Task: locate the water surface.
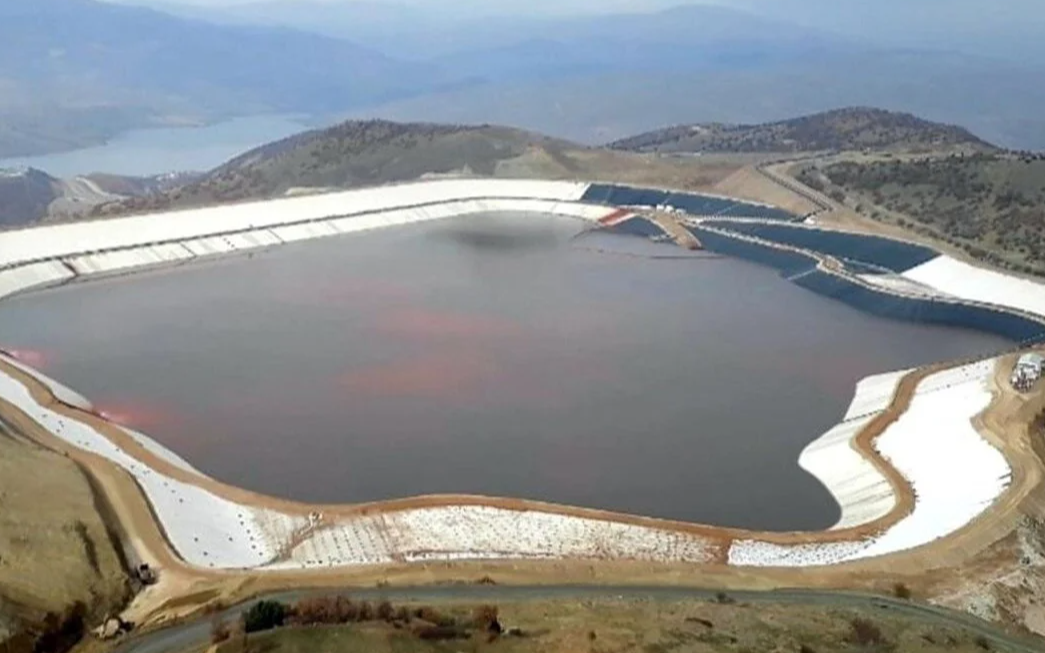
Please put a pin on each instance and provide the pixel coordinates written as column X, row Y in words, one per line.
column 494, row 355
column 145, row 152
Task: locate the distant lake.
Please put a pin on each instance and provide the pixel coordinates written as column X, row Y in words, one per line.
column 146, row 152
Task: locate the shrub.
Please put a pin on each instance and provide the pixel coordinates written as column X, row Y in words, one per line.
column 219, row 631
column 723, row 598
column 385, row 611
column 485, row 616
column 326, row 610
column 901, row 591
column 264, row 615
column 429, row 614
column 864, row 632
column 366, row 611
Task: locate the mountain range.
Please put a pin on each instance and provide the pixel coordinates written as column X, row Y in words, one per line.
column 77, row 72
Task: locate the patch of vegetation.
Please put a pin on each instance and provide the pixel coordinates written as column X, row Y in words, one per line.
column 598, row 626
column 264, row 615
column 990, row 205
column 855, row 128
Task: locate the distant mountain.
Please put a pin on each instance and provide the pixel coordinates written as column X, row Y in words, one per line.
column 500, row 45
column 1011, row 29
column 855, row 128
column 358, row 20
column 29, row 196
column 689, row 37
column 1000, row 102
column 25, row 195
column 75, row 72
column 82, row 69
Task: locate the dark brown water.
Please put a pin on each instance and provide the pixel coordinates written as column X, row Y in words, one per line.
column 489, row 355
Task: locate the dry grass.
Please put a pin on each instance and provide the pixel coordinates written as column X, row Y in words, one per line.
column 55, row 549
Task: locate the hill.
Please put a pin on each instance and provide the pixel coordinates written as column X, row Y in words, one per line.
column 25, row 195
column 75, row 71
column 855, row 128
column 360, row 153
column 28, row 195
column 992, row 205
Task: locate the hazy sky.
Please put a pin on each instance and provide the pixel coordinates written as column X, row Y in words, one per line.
column 501, row 6
column 971, row 25
column 869, row 14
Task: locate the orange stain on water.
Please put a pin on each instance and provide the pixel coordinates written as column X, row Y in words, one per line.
column 135, row 414
column 32, row 357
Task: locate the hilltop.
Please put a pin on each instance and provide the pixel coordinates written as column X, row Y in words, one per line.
column 25, row 195
column 28, row 195
column 854, row 128
column 365, row 153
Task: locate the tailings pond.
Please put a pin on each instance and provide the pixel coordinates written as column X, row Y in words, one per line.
column 500, row 355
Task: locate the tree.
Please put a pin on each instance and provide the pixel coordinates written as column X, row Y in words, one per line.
column 264, row 615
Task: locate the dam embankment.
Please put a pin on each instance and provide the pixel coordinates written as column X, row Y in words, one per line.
column 878, row 275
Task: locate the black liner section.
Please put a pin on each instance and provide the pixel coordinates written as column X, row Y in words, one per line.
column 693, row 203
column 874, row 251
column 800, row 268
